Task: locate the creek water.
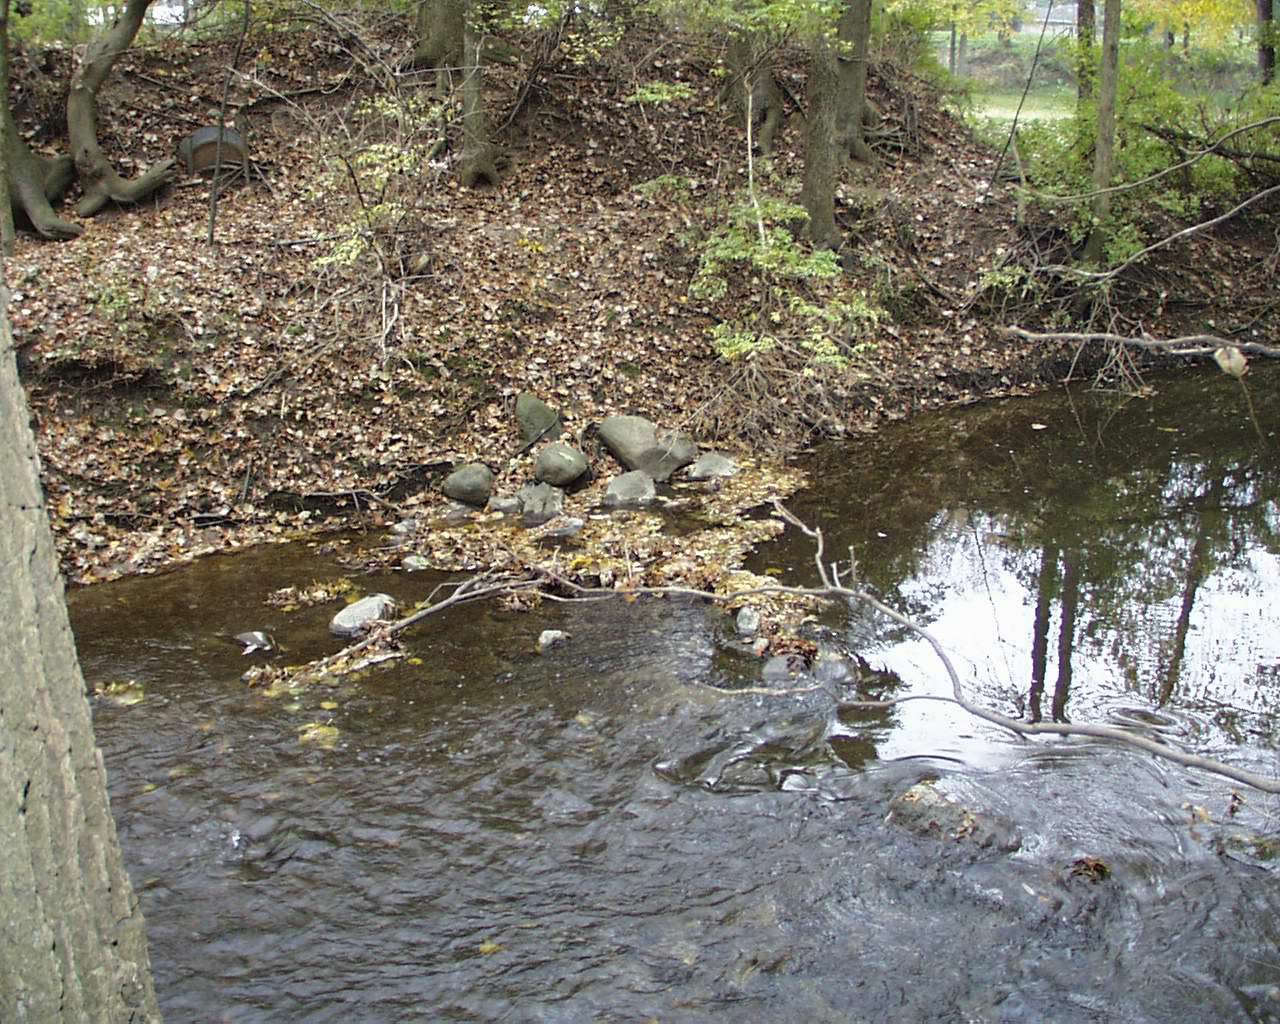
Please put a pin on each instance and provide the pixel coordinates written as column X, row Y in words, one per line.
column 609, row 832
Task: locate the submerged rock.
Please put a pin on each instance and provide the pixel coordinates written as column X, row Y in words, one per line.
column 254, row 641
column 559, row 465
column 470, row 484
column 747, row 622
column 540, row 503
column 507, row 506
column 630, row 490
column 927, row 812
column 569, row 526
column 355, row 618
column 550, row 638
column 538, row 421
column 712, row 466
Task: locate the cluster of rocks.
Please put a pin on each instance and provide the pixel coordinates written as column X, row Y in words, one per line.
column 649, row 455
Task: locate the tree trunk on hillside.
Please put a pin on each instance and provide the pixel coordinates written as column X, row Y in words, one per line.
column 72, row 942
column 1266, row 42
column 98, row 179
column 854, row 33
column 439, row 30
column 36, row 182
column 478, row 152
column 752, row 87
column 1104, row 146
column 822, row 144
column 6, row 206
column 1086, row 34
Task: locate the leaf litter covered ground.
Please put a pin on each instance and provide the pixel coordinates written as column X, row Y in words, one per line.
column 191, row 398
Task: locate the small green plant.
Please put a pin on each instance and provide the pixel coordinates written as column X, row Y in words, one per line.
column 789, row 296
column 656, row 93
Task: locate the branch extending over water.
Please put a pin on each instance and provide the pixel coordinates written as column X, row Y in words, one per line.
column 833, row 587
column 1187, row 345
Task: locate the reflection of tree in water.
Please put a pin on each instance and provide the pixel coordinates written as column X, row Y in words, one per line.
column 1116, row 518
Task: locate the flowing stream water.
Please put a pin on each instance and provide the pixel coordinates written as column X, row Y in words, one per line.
column 609, row 832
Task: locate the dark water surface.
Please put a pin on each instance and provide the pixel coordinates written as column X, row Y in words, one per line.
column 605, row 834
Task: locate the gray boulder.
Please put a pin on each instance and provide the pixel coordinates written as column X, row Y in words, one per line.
column 355, row 618
column 747, row 622
column 636, row 443
column 712, row 466
column 559, row 465
column 414, row 563
column 508, row 506
column 540, row 503
column 671, row 451
column 538, row 421
column 628, row 437
column 630, row 490
column 470, row 484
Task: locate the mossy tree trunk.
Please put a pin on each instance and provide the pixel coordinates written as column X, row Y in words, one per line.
column 98, row 179
column 1266, row 42
column 72, row 942
column 854, row 33
column 1086, row 31
column 752, row 89
column 1105, row 143
column 822, row 143
column 478, row 152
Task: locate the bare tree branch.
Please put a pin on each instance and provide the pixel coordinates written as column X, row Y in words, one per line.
column 1187, row 345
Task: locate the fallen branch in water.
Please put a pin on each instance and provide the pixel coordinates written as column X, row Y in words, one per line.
column 832, row 587
column 374, row 647
column 1188, row 345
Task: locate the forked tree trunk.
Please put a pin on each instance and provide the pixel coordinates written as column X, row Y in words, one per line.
column 98, row 179
column 72, row 943
column 36, row 183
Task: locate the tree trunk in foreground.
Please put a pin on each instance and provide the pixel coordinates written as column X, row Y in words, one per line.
column 1104, row 148
column 98, row 179
column 822, row 144
column 72, row 944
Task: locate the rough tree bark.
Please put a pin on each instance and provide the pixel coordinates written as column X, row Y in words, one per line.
column 98, row 179
column 6, row 206
column 1086, row 34
column 72, row 942
column 751, row 75
column 854, row 30
column 477, row 165
column 823, row 143
column 1104, row 147
column 439, row 28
